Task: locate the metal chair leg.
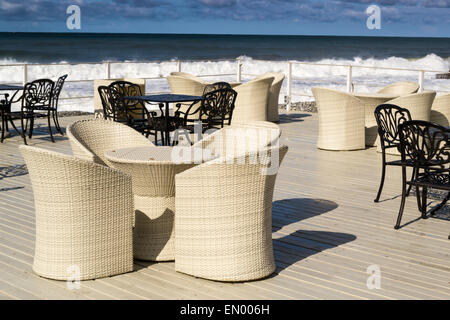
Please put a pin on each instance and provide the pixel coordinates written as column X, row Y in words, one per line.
column 424, row 203
column 402, row 204
column 383, row 174
column 50, row 127
column 413, row 176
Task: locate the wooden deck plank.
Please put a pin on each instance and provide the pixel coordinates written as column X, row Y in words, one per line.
column 326, row 228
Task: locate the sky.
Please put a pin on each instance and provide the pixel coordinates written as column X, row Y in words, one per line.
column 423, row 18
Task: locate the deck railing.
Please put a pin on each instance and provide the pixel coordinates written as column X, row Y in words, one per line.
column 178, row 66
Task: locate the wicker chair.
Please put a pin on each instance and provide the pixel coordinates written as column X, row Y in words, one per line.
column 341, row 120
column 90, row 139
column 223, row 218
column 272, row 106
column 252, row 100
column 418, row 104
column 239, row 138
column 83, row 216
column 440, row 110
column 400, row 88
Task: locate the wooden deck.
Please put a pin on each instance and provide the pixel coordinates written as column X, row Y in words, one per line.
column 326, row 228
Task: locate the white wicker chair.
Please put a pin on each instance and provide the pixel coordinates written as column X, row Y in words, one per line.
column 272, row 106
column 252, row 100
column 223, row 218
column 341, row 120
column 83, row 216
column 440, row 110
column 400, row 88
column 90, row 139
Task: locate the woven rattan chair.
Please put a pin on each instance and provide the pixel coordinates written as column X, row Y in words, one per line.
column 252, row 100
column 223, row 218
column 83, row 217
column 400, row 88
column 239, row 138
column 341, row 120
column 440, row 110
column 90, row 139
column 272, row 106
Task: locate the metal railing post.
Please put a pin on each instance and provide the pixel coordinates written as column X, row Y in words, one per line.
column 108, row 70
column 349, row 79
column 421, row 80
column 25, row 74
column 179, row 65
column 238, row 70
column 289, row 87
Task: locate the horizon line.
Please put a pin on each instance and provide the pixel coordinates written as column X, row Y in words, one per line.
column 220, row 34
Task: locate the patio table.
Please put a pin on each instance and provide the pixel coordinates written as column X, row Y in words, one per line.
column 166, row 99
column 5, row 108
column 153, row 171
column 371, row 101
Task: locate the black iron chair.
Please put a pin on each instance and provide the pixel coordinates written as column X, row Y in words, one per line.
column 7, row 116
column 389, row 117
column 427, row 145
column 54, row 108
column 127, row 111
column 215, row 111
column 37, row 102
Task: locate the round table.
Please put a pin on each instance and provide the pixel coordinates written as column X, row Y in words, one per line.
column 153, row 171
column 371, row 101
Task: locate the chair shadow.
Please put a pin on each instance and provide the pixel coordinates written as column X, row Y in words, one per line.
column 302, row 244
column 292, row 210
column 164, row 219
column 40, row 131
column 293, row 117
column 13, row 171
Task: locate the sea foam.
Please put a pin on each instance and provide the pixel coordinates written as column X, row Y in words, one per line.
column 305, row 76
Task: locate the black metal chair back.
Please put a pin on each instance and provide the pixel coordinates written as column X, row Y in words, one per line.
column 389, row 117
column 427, row 144
column 38, row 95
column 112, row 102
column 135, row 108
column 216, row 86
column 57, row 90
column 217, row 107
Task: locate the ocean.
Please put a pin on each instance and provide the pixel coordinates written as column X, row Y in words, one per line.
column 155, row 55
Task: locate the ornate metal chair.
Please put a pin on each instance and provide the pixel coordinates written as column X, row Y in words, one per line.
column 389, row 117
column 56, row 92
column 130, row 112
column 37, row 101
column 216, row 108
column 427, row 145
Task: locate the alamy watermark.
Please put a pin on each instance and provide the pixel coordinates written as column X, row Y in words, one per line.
column 73, row 280
column 374, row 19
column 73, row 21
column 374, row 279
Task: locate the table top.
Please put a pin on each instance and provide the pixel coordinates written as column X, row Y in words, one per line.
column 169, row 97
column 158, row 154
column 10, row 87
